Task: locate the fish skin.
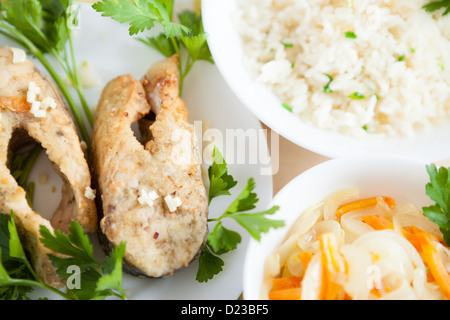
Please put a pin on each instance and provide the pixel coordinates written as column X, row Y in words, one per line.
column 57, row 134
column 158, row 242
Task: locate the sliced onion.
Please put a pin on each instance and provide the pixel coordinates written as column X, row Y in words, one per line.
column 336, row 199
column 312, row 281
column 385, row 241
column 308, row 242
column 402, row 220
column 303, row 225
column 399, row 288
column 272, row 267
column 307, row 219
column 358, row 263
column 353, row 226
column 419, row 282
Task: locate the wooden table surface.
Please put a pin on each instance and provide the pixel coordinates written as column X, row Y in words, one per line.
column 293, row 160
column 290, row 161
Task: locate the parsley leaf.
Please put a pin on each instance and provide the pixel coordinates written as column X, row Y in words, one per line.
column 438, row 5
column 246, row 199
column 112, row 270
column 209, row 265
column 222, row 240
column 350, row 35
column 357, row 96
column 186, row 37
column 75, row 247
column 43, row 27
column 438, row 189
column 141, row 15
column 220, row 181
column 77, row 251
column 17, row 277
column 160, row 43
column 257, row 223
column 97, row 281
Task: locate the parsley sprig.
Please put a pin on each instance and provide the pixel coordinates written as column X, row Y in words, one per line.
column 438, row 5
column 222, row 240
column 43, row 28
column 17, row 276
column 97, row 280
column 438, row 189
column 185, row 37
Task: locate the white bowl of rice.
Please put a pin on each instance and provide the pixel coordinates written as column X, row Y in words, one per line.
column 339, row 77
column 379, row 262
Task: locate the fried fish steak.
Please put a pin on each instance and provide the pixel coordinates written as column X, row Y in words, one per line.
column 152, row 193
column 46, row 120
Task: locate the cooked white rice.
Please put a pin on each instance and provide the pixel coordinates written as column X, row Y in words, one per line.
column 399, row 61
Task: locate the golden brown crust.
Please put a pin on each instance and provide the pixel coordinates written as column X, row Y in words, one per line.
column 159, row 242
column 57, row 134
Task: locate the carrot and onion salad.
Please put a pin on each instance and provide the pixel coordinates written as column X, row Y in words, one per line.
column 349, row 247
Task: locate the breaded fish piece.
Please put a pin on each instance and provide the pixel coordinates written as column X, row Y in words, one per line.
column 152, row 195
column 48, row 121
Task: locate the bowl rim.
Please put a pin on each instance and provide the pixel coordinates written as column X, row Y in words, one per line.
column 222, row 35
column 365, row 160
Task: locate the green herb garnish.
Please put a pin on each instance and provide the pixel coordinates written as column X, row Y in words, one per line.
column 357, row 96
column 221, row 239
column 144, row 15
column 286, row 106
column 97, row 280
column 220, row 182
column 438, row 189
column 288, row 45
column 326, row 88
column 438, row 5
column 350, row 35
column 44, row 28
column 17, row 276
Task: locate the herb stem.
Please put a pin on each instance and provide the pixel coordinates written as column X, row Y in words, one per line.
column 60, row 83
column 73, row 107
column 33, row 283
column 184, row 74
column 77, row 84
column 175, row 45
column 122, row 296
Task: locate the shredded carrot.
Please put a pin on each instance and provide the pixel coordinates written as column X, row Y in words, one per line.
column 286, row 294
column 286, row 283
column 15, row 103
column 333, row 265
column 432, row 259
column 411, row 237
column 378, row 222
column 362, row 204
column 305, row 257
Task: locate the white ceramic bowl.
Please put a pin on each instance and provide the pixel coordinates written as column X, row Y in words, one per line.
column 226, row 48
column 401, row 178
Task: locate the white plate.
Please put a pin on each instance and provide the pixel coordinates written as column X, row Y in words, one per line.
column 106, row 45
column 400, row 178
column 226, row 47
